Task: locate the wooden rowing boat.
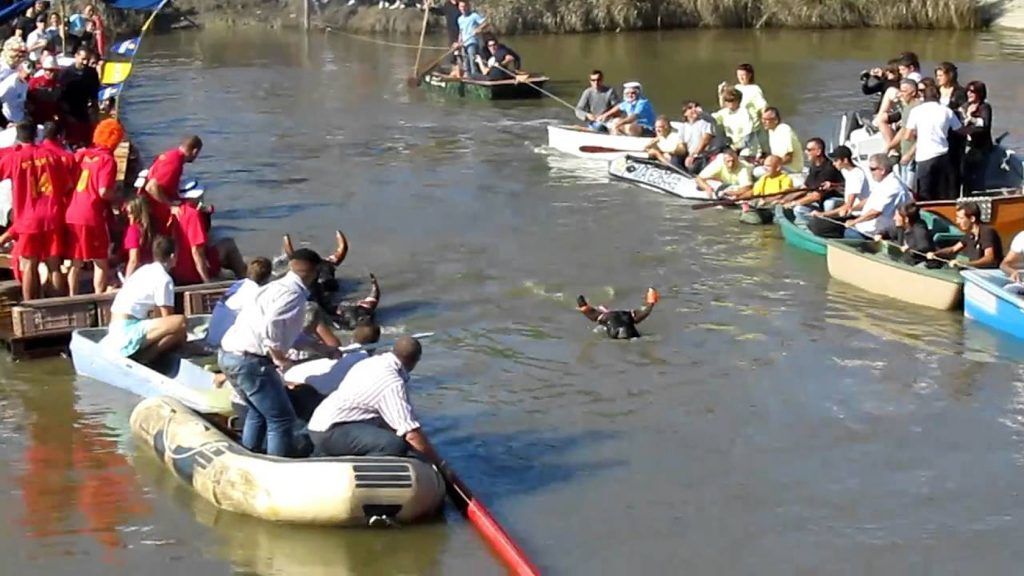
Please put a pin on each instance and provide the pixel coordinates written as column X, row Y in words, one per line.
column 1004, row 212
column 654, row 175
column 486, row 89
column 585, row 143
column 344, row 491
column 868, row 266
column 179, row 376
column 986, row 301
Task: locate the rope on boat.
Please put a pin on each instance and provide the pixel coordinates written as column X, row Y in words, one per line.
column 382, row 42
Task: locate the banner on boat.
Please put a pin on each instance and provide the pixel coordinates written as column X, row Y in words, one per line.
column 126, row 48
column 115, row 72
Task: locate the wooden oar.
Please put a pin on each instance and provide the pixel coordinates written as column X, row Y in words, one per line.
column 950, row 263
column 375, row 345
column 730, row 201
column 486, row 525
column 423, row 34
column 534, row 86
column 604, row 150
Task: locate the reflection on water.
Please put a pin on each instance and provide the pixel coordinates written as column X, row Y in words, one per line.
column 766, row 409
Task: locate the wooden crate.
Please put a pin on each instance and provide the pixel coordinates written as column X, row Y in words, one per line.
column 201, row 301
column 10, row 295
column 53, row 317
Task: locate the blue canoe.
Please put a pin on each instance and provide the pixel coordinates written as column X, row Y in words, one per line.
column 986, row 301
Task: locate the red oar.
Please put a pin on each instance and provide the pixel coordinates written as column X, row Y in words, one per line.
column 603, row 150
column 487, row 526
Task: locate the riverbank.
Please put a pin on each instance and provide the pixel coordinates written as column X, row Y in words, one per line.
column 562, row 16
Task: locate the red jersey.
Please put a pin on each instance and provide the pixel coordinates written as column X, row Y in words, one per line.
column 42, row 95
column 166, row 172
column 97, row 170
column 36, row 176
column 133, row 241
column 65, row 169
column 189, row 232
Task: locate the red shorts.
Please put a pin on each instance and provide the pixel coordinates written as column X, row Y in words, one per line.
column 41, row 245
column 87, row 242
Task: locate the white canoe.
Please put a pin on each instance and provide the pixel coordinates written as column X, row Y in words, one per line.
column 181, row 378
column 584, row 143
column 345, row 491
column 656, row 176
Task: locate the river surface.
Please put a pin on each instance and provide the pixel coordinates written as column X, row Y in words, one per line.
column 771, row 421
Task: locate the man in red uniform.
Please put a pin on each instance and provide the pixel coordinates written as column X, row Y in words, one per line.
column 86, row 217
column 192, row 241
column 164, row 179
column 38, row 209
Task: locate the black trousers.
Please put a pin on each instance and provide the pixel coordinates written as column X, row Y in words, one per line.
column 936, row 179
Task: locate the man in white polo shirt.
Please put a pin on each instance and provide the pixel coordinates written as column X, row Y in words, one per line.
column 928, row 125
column 887, row 194
column 132, row 333
column 370, row 413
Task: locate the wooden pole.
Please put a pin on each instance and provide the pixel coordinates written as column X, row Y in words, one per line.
column 305, row 14
column 423, row 33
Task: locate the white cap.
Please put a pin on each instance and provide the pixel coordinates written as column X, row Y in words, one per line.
column 192, row 191
column 50, row 63
column 140, row 180
column 632, row 85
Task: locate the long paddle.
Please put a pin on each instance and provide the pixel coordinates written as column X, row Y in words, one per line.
column 730, row 201
column 423, row 34
column 518, row 78
column 486, row 525
column 375, row 345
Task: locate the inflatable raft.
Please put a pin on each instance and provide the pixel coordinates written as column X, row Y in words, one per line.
column 347, row 491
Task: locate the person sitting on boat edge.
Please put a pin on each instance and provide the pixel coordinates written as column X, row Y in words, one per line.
column 887, row 193
column 981, row 244
column 502, row 64
column 309, row 383
column 370, row 413
column 634, row 116
column 666, row 147
column 910, row 234
column 824, row 183
column 698, row 136
column 775, row 137
column 855, row 186
column 774, row 182
column 735, row 176
column 596, row 100
column 132, row 333
column 225, row 311
column 1013, row 263
column 734, row 122
column 619, row 324
column 255, row 348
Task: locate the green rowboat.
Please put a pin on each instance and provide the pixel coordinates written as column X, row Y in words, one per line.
column 798, row 235
column 485, row 89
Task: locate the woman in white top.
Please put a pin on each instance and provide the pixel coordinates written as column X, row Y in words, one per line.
column 753, row 97
column 132, row 333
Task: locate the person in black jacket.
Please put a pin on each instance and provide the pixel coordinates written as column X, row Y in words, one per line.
column 977, row 114
column 450, row 10
column 910, row 234
column 878, row 80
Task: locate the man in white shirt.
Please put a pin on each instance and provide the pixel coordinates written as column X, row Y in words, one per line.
column 14, row 92
column 887, row 194
column 1013, row 263
column 782, row 141
column 929, row 125
column 370, row 413
column 255, row 348
column 666, row 147
column 132, row 333
column 697, row 134
column 310, row 382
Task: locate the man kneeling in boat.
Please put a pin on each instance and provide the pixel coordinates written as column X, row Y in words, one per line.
column 634, row 116
column 619, row 324
column 734, row 175
column 370, row 413
column 132, row 332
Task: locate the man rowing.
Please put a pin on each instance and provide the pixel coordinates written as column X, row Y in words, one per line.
column 855, row 185
column 619, row 324
column 634, row 116
column 823, row 182
column 596, row 100
column 887, row 193
column 666, row 147
column 503, row 62
column 773, row 182
column 734, row 176
column 980, row 244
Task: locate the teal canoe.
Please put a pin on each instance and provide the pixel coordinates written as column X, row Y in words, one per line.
column 944, row 232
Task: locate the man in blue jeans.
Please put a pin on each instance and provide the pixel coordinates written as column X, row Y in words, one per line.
column 471, row 23
column 370, row 414
column 253, row 354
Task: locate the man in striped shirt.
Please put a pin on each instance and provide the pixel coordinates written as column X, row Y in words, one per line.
column 370, row 414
